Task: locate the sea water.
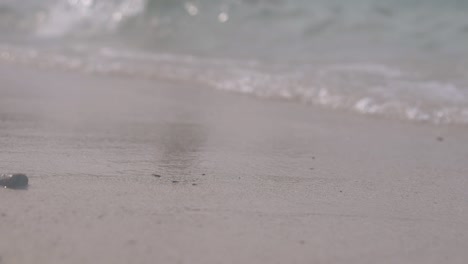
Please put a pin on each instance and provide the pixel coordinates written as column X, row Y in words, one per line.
column 404, row 59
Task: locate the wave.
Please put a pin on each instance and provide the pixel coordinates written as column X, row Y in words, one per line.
column 371, row 89
column 259, row 28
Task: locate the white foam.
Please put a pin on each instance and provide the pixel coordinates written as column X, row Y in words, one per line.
column 383, row 91
column 87, row 17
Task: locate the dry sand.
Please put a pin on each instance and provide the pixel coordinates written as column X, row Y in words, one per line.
column 241, row 180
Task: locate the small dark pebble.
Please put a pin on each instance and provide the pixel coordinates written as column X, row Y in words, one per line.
column 313, row 157
column 203, row 174
column 440, row 139
column 194, row 184
column 341, row 191
column 311, row 168
column 302, row 242
column 14, row 181
column 156, row 175
column 175, row 181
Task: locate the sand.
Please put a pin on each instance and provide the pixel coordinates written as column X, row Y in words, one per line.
column 241, row 180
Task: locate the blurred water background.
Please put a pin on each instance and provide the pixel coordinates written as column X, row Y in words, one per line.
column 405, row 59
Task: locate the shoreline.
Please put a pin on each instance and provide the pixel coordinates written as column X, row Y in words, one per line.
column 242, row 179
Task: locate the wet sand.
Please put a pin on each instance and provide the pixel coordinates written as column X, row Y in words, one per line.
column 239, row 180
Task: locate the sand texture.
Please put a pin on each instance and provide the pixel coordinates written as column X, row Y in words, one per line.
column 237, row 179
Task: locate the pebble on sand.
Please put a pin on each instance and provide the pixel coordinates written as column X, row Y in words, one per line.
column 14, row 181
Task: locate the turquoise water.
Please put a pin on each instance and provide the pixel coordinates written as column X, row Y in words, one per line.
column 394, row 58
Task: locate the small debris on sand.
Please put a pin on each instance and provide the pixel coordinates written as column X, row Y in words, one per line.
column 203, row 174
column 194, row 184
column 156, row 175
column 14, row 181
column 440, row 139
column 175, row 181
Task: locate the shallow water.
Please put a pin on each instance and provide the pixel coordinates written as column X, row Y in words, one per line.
column 400, row 59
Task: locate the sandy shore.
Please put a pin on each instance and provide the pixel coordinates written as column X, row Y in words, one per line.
column 241, row 180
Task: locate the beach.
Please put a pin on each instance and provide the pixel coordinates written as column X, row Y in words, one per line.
column 134, row 170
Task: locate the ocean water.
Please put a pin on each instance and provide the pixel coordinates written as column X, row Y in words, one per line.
column 403, row 59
